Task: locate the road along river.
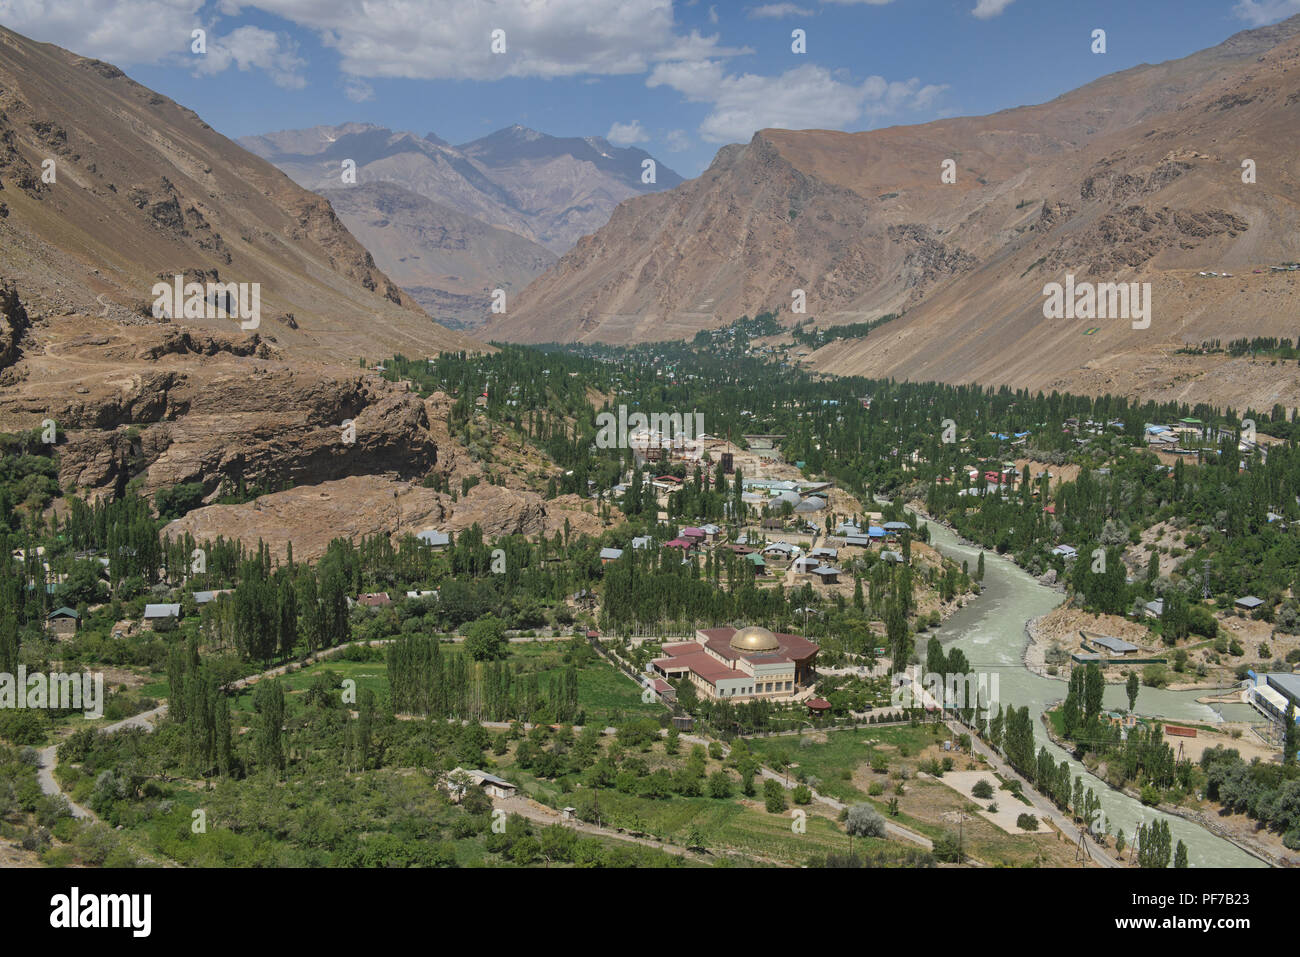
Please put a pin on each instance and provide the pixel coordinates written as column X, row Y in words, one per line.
column 991, row 632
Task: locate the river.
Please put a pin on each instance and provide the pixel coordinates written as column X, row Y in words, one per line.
column 991, row 632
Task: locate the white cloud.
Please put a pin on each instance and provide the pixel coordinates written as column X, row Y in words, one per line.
column 451, row 39
column 358, row 91
column 248, row 48
column 1258, row 13
column 776, row 11
column 624, row 134
column 419, row 39
column 120, row 31
column 678, row 141
column 808, row 97
column 987, row 9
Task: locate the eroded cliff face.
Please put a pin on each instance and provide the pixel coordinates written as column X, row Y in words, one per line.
column 342, row 452
column 164, row 406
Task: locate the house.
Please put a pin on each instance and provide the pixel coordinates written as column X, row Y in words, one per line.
column 153, row 613
column 848, row 528
column 1116, row 646
column 1065, row 551
column 608, row 555
column 1248, row 603
column 755, row 559
column 423, row 593
column 458, row 779
column 805, row 565
column 857, row 541
column 62, row 621
column 897, row 527
column 889, row 556
column 875, row 531
column 779, row 550
column 711, row 531
column 642, row 542
column 378, row 599
column 694, row 534
column 829, row 574
column 434, row 538
column 1154, row 609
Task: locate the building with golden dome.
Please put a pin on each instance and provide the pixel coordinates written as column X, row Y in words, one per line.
column 741, row 663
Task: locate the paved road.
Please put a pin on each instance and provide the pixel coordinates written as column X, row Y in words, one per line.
column 49, row 755
column 49, row 758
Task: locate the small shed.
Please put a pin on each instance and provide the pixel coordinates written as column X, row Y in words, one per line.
column 62, row 621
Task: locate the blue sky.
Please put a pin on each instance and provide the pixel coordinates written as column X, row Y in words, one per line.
column 676, row 79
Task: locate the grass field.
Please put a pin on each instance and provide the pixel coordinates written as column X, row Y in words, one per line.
column 605, row 694
column 835, row 756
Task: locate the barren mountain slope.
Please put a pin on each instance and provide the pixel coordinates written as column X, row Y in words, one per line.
column 1136, row 177
column 548, row 189
column 447, row 261
column 143, row 189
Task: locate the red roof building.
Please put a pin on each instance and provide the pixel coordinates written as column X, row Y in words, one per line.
column 746, row 663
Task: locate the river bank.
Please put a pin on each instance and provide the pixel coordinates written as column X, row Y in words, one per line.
column 1237, row 829
column 992, row 634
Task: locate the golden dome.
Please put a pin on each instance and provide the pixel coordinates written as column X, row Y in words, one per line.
column 754, row 638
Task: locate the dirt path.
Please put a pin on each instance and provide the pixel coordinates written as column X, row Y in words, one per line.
column 525, row 807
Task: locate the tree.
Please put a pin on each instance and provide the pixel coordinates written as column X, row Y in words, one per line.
column 979, row 568
column 1180, row 855
column 1094, row 687
column 268, row 702
column 719, row 785
column 1120, row 843
column 485, row 639
column 1131, row 687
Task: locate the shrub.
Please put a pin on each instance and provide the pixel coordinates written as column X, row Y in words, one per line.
column 948, row 849
column 773, row 796
column 865, row 821
column 1027, row 822
column 982, row 789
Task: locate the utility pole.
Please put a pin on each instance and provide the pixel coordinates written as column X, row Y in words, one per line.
column 1205, row 586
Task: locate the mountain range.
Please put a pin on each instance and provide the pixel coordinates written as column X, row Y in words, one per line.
column 452, row 223
column 1137, row 176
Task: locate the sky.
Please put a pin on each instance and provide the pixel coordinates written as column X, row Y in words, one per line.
column 679, row 80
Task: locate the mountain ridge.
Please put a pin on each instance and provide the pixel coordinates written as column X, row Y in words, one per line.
column 1133, row 176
